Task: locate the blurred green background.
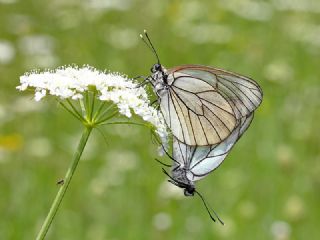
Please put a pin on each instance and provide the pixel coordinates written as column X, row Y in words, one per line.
column 268, row 187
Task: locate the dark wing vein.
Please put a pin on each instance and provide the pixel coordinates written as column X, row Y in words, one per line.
column 216, row 106
column 183, row 156
column 239, row 135
column 192, row 155
column 183, row 134
column 189, row 76
column 219, row 119
column 194, row 137
column 204, row 133
column 237, row 87
column 212, row 124
column 244, row 94
column 172, row 89
column 169, row 112
column 236, row 95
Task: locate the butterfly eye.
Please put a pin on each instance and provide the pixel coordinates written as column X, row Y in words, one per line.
column 188, row 192
column 156, row 67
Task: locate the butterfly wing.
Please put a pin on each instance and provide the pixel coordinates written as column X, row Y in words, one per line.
column 195, row 112
column 243, row 93
column 204, row 105
column 202, row 166
column 201, row 160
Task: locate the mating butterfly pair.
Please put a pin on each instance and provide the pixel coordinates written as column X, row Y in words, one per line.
column 207, row 110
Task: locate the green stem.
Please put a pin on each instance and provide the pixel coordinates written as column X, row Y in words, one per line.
column 92, row 105
column 57, row 201
column 68, row 110
column 100, row 116
column 87, row 104
column 107, row 118
column 126, row 122
column 97, row 113
column 75, row 109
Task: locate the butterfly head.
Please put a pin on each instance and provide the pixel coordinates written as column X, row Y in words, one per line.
column 180, row 179
column 156, row 68
column 189, row 190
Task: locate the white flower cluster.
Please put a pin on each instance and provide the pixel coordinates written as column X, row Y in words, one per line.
column 72, row 83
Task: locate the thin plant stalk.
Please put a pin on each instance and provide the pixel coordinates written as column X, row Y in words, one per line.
column 99, row 110
column 75, row 109
column 107, row 118
column 58, row 199
column 79, row 117
column 99, row 115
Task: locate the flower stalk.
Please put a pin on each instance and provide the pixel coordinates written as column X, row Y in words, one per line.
column 66, row 181
column 93, row 98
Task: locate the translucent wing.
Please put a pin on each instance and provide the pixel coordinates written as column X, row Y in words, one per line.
column 201, row 160
column 204, row 105
column 242, row 93
column 195, row 112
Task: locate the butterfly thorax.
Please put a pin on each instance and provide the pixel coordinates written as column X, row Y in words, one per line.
column 159, row 79
column 180, row 177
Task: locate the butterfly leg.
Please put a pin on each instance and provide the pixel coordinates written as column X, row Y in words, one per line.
column 166, row 152
column 174, row 181
column 155, row 101
column 140, row 76
column 144, row 82
column 164, row 164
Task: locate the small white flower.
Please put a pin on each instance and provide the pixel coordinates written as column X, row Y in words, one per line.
column 73, row 82
column 40, row 94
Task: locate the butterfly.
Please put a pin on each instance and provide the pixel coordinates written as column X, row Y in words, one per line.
column 207, row 110
column 202, row 105
column 192, row 163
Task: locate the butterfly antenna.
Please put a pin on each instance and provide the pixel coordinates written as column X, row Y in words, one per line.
column 153, row 48
column 149, row 44
column 208, row 208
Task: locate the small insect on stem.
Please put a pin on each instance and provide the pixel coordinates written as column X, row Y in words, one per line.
column 60, row 182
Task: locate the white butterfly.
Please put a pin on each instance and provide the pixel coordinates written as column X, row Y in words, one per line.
column 202, row 105
column 192, row 163
column 207, row 110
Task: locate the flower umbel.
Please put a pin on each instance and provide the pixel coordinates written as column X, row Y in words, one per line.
column 94, row 98
column 87, row 86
